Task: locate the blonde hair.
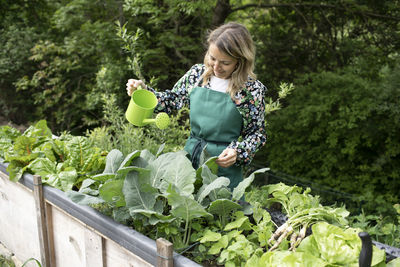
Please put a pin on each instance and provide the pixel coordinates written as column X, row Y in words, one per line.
column 234, row 40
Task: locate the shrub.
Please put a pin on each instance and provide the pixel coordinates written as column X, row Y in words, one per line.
column 341, row 130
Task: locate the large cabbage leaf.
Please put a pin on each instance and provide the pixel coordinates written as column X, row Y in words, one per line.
column 173, row 168
column 111, row 191
column 239, row 190
column 138, row 192
column 83, row 199
column 185, row 207
column 223, row 207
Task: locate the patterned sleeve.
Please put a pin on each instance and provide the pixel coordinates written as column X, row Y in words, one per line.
column 251, row 105
column 178, row 96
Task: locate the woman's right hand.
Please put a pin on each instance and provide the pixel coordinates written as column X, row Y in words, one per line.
column 133, row 84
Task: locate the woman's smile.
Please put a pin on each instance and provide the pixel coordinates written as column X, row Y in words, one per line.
column 223, row 65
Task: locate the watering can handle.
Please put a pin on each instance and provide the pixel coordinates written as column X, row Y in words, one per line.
column 139, row 88
column 136, row 89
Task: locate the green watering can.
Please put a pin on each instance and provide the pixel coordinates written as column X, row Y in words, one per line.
column 141, row 107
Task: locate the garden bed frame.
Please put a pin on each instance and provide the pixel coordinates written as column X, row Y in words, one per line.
column 41, row 222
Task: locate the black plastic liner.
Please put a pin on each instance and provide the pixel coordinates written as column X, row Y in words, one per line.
column 125, row 236
column 277, row 217
column 391, row 252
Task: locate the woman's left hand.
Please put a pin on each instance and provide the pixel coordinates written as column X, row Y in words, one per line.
column 227, row 158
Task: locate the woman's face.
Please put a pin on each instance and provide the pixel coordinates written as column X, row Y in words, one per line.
column 222, row 64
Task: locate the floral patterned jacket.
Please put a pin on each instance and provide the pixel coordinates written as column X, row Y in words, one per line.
column 249, row 101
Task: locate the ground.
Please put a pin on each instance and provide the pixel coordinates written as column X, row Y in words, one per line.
column 4, row 121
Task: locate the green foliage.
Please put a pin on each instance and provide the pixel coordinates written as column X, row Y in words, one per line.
column 62, row 61
column 6, row 261
column 62, row 162
column 7, row 138
column 131, row 45
column 234, row 246
column 161, row 195
column 328, row 245
column 121, row 135
column 382, row 229
column 81, row 43
column 341, row 130
column 22, row 24
column 76, row 56
column 171, row 36
column 294, row 200
column 158, row 190
column 274, row 105
column 32, row 260
column 296, row 37
column 15, row 42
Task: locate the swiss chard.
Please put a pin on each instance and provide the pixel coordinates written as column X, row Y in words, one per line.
column 63, row 162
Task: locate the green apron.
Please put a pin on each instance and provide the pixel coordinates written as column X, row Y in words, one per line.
column 215, row 122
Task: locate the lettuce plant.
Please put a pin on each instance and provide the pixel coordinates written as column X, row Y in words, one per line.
column 329, row 245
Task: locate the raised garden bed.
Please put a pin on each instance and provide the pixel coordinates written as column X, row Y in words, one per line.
column 77, row 235
column 158, row 195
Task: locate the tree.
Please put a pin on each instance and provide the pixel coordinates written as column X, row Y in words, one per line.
column 341, row 130
column 81, row 41
column 22, row 24
column 77, row 56
column 296, row 37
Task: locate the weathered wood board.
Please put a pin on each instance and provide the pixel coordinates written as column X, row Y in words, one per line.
column 18, row 223
column 72, row 243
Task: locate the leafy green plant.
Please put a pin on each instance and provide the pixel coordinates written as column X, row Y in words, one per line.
column 79, row 41
column 30, row 260
column 383, row 229
column 7, row 138
column 62, row 162
column 237, row 241
column 240, row 240
column 302, row 210
column 162, row 195
column 152, row 190
column 328, row 245
column 283, row 91
column 6, row 262
column 121, row 135
column 130, row 46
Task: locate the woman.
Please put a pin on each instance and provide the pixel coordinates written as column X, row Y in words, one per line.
column 226, row 102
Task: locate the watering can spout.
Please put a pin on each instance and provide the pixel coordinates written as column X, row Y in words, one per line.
column 141, row 108
column 162, row 121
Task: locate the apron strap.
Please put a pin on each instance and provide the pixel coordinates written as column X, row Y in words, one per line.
column 199, row 147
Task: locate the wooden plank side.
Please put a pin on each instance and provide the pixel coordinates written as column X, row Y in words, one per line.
column 94, row 248
column 165, row 251
column 68, row 239
column 50, row 232
column 18, row 224
column 118, row 256
column 71, row 242
column 41, row 218
column 85, row 247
